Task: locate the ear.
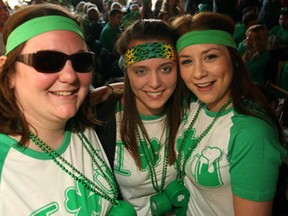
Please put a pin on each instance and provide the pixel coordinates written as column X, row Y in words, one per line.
column 2, row 62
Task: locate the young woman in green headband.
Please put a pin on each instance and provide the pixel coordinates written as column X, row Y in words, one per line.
column 51, row 160
column 147, row 116
column 229, row 149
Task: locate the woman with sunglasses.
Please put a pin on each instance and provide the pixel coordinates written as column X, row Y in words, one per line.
column 51, row 160
column 229, row 151
column 147, row 116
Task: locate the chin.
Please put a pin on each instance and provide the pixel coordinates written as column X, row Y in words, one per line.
column 67, row 114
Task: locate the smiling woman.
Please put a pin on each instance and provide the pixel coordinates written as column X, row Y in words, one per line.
column 147, row 115
column 231, row 139
column 44, row 96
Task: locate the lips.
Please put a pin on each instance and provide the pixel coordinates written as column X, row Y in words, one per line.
column 204, row 85
column 154, row 93
column 64, row 93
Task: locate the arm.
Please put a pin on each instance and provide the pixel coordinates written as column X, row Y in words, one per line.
column 255, row 158
column 102, row 93
column 243, row 207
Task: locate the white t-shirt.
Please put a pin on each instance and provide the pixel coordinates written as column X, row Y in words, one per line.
column 135, row 184
column 32, row 184
column 240, row 155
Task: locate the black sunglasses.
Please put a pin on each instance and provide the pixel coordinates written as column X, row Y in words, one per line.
column 53, row 61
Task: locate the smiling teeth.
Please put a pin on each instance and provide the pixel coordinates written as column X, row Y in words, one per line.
column 204, row 85
column 63, row 93
column 154, row 93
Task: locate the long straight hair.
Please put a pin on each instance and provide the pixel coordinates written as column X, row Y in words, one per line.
column 148, row 30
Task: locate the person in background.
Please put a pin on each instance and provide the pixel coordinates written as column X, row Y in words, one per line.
column 147, row 116
column 94, row 27
column 254, row 52
column 269, row 12
column 129, row 18
column 134, row 8
column 173, row 7
column 116, row 5
column 51, row 159
column 248, row 19
column 105, row 12
column 111, row 30
column 278, row 35
column 229, row 151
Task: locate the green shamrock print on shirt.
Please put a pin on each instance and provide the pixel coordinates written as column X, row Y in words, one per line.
column 82, row 202
column 189, row 142
column 152, row 152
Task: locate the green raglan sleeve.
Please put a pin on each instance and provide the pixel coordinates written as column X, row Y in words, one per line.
column 255, row 156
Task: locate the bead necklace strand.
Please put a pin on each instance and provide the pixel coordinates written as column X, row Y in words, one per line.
column 149, row 159
column 184, row 158
column 74, row 172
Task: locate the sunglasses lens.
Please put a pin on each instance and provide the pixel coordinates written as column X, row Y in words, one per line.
column 49, row 61
column 83, row 62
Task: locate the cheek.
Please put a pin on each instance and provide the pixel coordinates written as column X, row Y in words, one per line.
column 26, row 80
column 135, row 81
column 171, row 80
column 227, row 75
column 135, row 84
column 85, row 79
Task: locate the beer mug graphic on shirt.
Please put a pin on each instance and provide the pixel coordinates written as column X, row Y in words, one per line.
column 205, row 168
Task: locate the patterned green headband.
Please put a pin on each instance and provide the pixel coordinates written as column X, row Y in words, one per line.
column 205, row 37
column 149, row 50
column 38, row 26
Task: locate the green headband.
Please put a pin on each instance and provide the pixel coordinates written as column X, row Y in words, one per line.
column 205, row 37
column 149, row 50
column 38, row 26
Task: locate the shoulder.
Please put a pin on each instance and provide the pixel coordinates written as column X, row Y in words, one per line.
column 245, row 123
column 250, row 132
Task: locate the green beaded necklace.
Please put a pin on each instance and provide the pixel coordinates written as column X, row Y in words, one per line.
column 184, row 158
column 75, row 173
column 159, row 203
column 149, row 158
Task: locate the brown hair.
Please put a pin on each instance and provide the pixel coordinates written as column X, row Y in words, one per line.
column 243, row 90
column 148, row 30
column 12, row 120
column 260, row 41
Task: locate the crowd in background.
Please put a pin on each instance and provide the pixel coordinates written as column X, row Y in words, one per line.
column 260, row 33
column 262, row 48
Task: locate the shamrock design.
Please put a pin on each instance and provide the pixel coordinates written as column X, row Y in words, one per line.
column 152, row 151
column 80, row 201
column 190, row 137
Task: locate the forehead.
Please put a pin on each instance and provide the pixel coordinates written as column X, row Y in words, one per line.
column 56, row 40
column 203, row 48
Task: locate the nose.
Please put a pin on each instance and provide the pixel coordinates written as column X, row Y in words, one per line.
column 200, row 70
column 68, row 74
column 154, row 80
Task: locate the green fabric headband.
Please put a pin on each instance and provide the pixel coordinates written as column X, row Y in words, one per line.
column 38, row 26
column 205, row 37
column 149, row 50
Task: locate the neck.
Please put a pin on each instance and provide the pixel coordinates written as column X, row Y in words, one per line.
column 52, row 135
